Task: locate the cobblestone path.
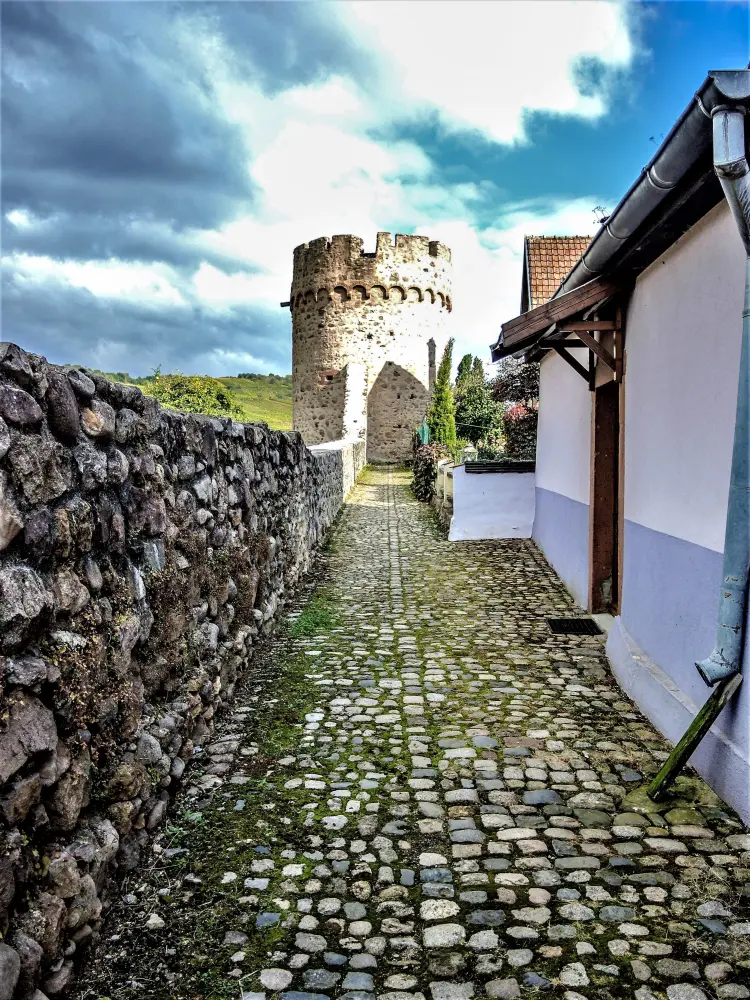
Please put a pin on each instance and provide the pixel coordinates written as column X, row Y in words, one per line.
column 444, row 822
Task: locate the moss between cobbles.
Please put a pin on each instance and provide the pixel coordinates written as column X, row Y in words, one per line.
column 224, row 840
column 316, row 617
column 217, row 839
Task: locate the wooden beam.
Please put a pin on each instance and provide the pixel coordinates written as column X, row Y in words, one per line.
column 603, row 512
column 708, row 714
column 620, row 497
column 587, row 324
column 544, row 345
column 595, row 347
column 575, row 365
column 526, row 326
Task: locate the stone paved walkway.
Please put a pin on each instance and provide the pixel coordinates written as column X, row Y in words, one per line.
column 445, row 823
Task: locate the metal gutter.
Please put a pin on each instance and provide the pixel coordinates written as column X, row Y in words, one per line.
column 688, row 141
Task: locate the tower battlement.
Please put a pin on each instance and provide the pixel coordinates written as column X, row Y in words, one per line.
column 341, row 261
column 405, row 249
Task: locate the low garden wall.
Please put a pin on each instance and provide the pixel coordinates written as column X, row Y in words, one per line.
column 142, row 552
column 491, row 505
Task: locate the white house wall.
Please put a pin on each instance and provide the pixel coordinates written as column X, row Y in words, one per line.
column 563, row 456
column 683, row 343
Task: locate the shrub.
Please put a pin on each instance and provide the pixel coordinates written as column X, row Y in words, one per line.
column 490, row 453
column 519, row 425
column 193, row 394
column 424, row 470
column 463, row 372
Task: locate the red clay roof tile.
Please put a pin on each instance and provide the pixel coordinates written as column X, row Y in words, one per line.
column 548, row 259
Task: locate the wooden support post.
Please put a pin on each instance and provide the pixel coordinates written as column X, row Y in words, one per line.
column 697, row 729
column 620, row 497
column 603, row 509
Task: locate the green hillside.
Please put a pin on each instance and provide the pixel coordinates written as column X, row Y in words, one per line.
column 261, row 398
column 265, row 397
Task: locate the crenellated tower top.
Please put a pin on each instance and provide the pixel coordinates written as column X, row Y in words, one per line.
column 340, row 262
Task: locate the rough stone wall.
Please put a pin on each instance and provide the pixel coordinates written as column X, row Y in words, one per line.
column 142, row 552
column 386, row 311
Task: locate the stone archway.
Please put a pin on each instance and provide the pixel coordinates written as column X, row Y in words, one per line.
column 396, row 405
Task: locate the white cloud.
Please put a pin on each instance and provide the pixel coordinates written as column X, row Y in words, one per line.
column 152, row 284
column 483, row 66
column 323, row 160
column 19, row 218
column 223, row 362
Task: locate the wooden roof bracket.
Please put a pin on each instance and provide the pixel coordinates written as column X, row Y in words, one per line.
column 596, row 348
column 575, row 365
column 584, row 330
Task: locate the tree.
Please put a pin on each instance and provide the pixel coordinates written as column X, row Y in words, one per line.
column 464, row 372
column 441, row 414
column 517, row 382
column 478, row 415
column 516, row 387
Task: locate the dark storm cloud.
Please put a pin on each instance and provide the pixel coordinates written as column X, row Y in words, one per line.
column 292, row 44
column 94, row 119
column 75, row 326
column 112, row 144
column 99, row 237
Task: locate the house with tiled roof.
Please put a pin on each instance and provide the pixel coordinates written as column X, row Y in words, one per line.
column 546, row 261
column 642, row 479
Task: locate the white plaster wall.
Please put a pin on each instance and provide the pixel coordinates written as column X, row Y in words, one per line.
column 355, row 401
column 683, row 345
column 563, row 445
column 491, row 505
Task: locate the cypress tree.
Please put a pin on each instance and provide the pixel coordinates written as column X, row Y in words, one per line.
column 463, row 372
column 441, row 415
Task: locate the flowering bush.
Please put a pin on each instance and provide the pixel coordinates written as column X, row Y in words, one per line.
column 519, row 426
column 424, row 470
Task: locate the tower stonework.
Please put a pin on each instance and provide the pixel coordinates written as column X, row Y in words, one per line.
column 366, row 329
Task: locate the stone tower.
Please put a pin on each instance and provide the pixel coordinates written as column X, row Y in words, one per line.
column 366, row 329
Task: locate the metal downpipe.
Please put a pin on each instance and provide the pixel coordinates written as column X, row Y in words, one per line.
column 732, row 169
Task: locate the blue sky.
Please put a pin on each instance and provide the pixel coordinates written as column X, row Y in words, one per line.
column 161, row 161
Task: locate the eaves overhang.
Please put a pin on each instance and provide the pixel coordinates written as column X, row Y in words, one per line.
column 672, row 193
